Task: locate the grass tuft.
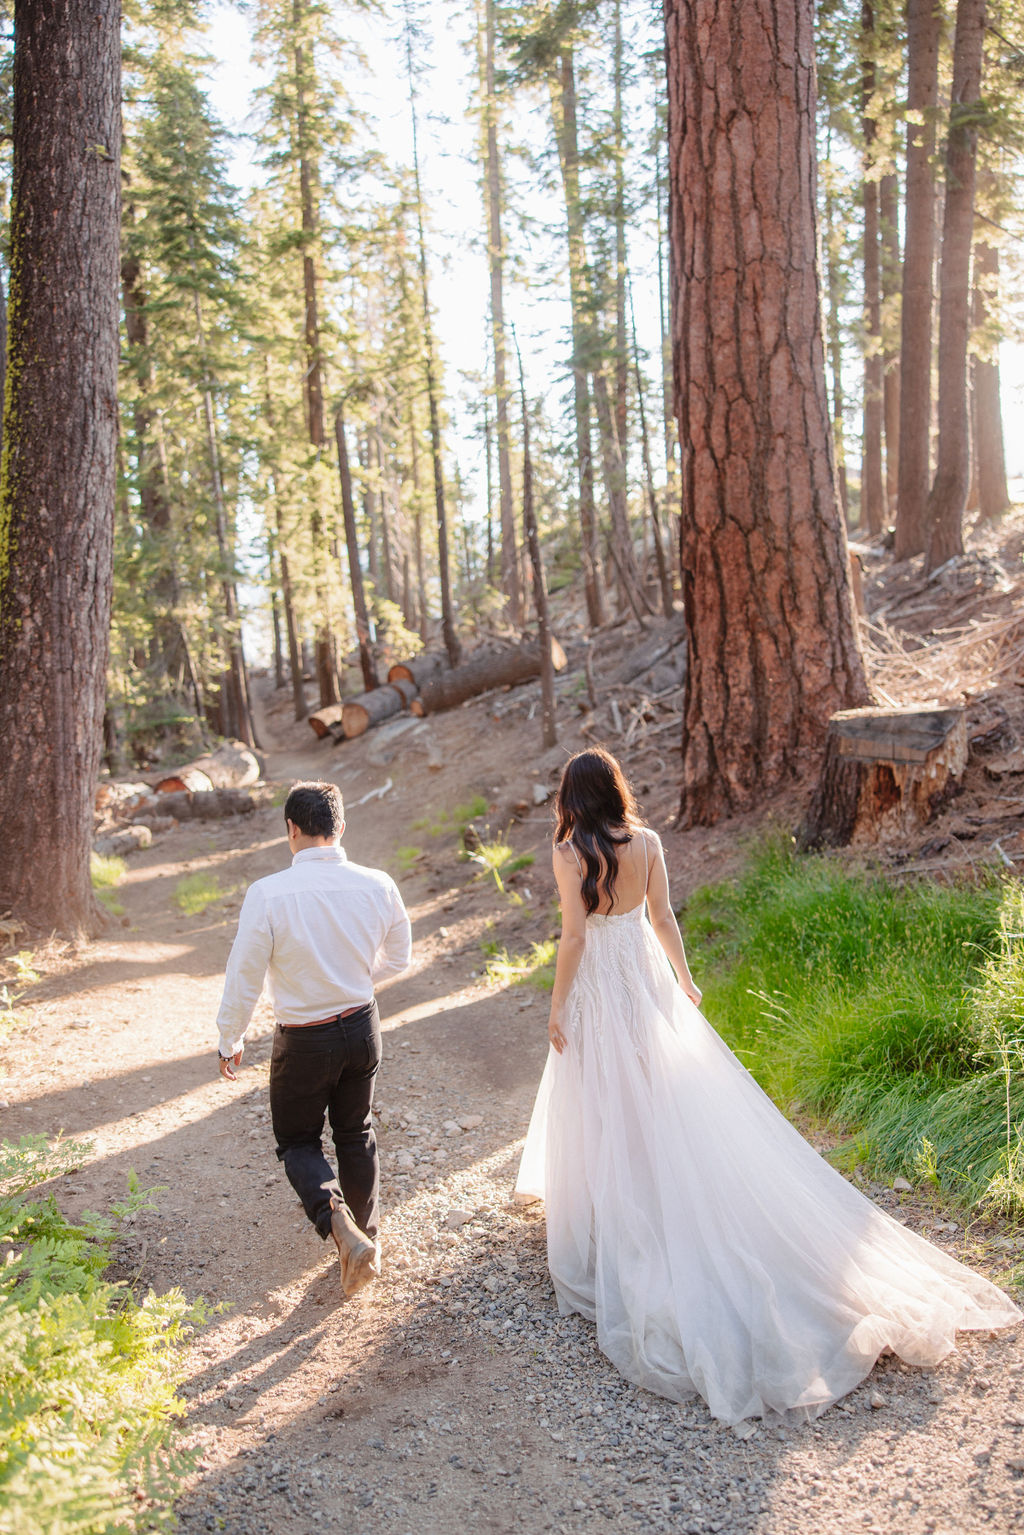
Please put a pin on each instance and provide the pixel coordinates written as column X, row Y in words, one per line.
column 536, row 967
column 107, row 873
column 195, row 892
column 896, row 1010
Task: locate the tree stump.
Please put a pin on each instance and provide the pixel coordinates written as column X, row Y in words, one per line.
column 886, row 771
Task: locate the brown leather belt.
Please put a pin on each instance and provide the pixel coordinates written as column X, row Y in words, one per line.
column 315, row 1022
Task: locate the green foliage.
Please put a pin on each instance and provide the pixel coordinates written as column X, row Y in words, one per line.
column 406, row 857
column 536, row 967
column 493, row 857
column 193, row 893
column 894, row 1008
column 88, row 1372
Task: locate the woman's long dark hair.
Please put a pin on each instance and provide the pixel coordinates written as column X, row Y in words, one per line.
column 596, row 808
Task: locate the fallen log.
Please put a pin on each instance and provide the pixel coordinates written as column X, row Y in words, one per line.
column 489, row 669
column 118, row 843
column 420, row 669
column 380, row 704
column 208, row 804
column 231, row 766
column 325, row 721
column 885, row 773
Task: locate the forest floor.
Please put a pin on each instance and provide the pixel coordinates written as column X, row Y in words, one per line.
column 450, row 1395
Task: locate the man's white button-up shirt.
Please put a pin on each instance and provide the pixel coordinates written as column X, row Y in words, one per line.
column 321, row 933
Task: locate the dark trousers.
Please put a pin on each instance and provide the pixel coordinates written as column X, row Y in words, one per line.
column 328, row 1068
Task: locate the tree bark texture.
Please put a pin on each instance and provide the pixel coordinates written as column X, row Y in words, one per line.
column 889, row 220
column 885, row 773
column 773, row 648
column 57, row 482
column 367, row 663
column 923, row 28
column 563, row 109
column 986, row 406
column 948, row 497
column 549, row 729
column 872, row 486
column 486, row 669
column 510, row 584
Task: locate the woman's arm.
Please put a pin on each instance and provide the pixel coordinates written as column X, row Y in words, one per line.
column 663, row 921
column 570, row 945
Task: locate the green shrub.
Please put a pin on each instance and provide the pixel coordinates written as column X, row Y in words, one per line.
column 87, row 1372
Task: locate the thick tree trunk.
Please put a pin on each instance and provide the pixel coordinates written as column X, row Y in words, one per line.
column 563, row 106
column 773, row 647
column 488, row 669
column 948, row 496
column 367, row 662
column 872, row 486
column 986, row 404
column 924, row 21
column 57, row 482
column 510, row 584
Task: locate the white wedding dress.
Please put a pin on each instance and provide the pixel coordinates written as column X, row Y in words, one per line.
column 717, row 1252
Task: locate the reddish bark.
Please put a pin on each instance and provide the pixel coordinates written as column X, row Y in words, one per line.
column 948, row 497
column 772, row 645
column 924, row 20
column 60, row 440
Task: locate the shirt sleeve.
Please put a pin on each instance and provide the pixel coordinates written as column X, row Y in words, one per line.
column 396, row 948
column 246, row 969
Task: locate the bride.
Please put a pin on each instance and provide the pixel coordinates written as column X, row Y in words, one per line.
column 715, row 1250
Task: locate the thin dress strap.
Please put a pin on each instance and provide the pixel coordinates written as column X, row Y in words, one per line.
column 647, row 864
column 574, row 854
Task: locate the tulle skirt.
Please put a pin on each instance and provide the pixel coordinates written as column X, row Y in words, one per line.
column 716, row 1251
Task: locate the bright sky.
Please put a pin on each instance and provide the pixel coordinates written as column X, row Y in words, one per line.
column 458, row 267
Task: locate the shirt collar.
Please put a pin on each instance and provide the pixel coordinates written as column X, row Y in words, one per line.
column 332, row 854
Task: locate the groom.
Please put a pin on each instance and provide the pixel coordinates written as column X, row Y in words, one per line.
column 321, row 932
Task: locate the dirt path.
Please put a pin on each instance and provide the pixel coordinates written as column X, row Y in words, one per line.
column 450, row 1395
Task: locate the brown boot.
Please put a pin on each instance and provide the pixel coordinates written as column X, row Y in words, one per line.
column 357, row 1255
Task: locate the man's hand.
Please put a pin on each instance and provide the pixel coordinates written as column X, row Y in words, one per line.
column 228, row 1064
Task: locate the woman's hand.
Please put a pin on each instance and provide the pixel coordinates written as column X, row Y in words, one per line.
column 692, row 990
column 555, row 1033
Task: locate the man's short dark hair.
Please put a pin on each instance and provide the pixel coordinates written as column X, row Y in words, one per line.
column 316, row 809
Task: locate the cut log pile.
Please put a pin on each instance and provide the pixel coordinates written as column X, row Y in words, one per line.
column 427, row 684
column 219, row 784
